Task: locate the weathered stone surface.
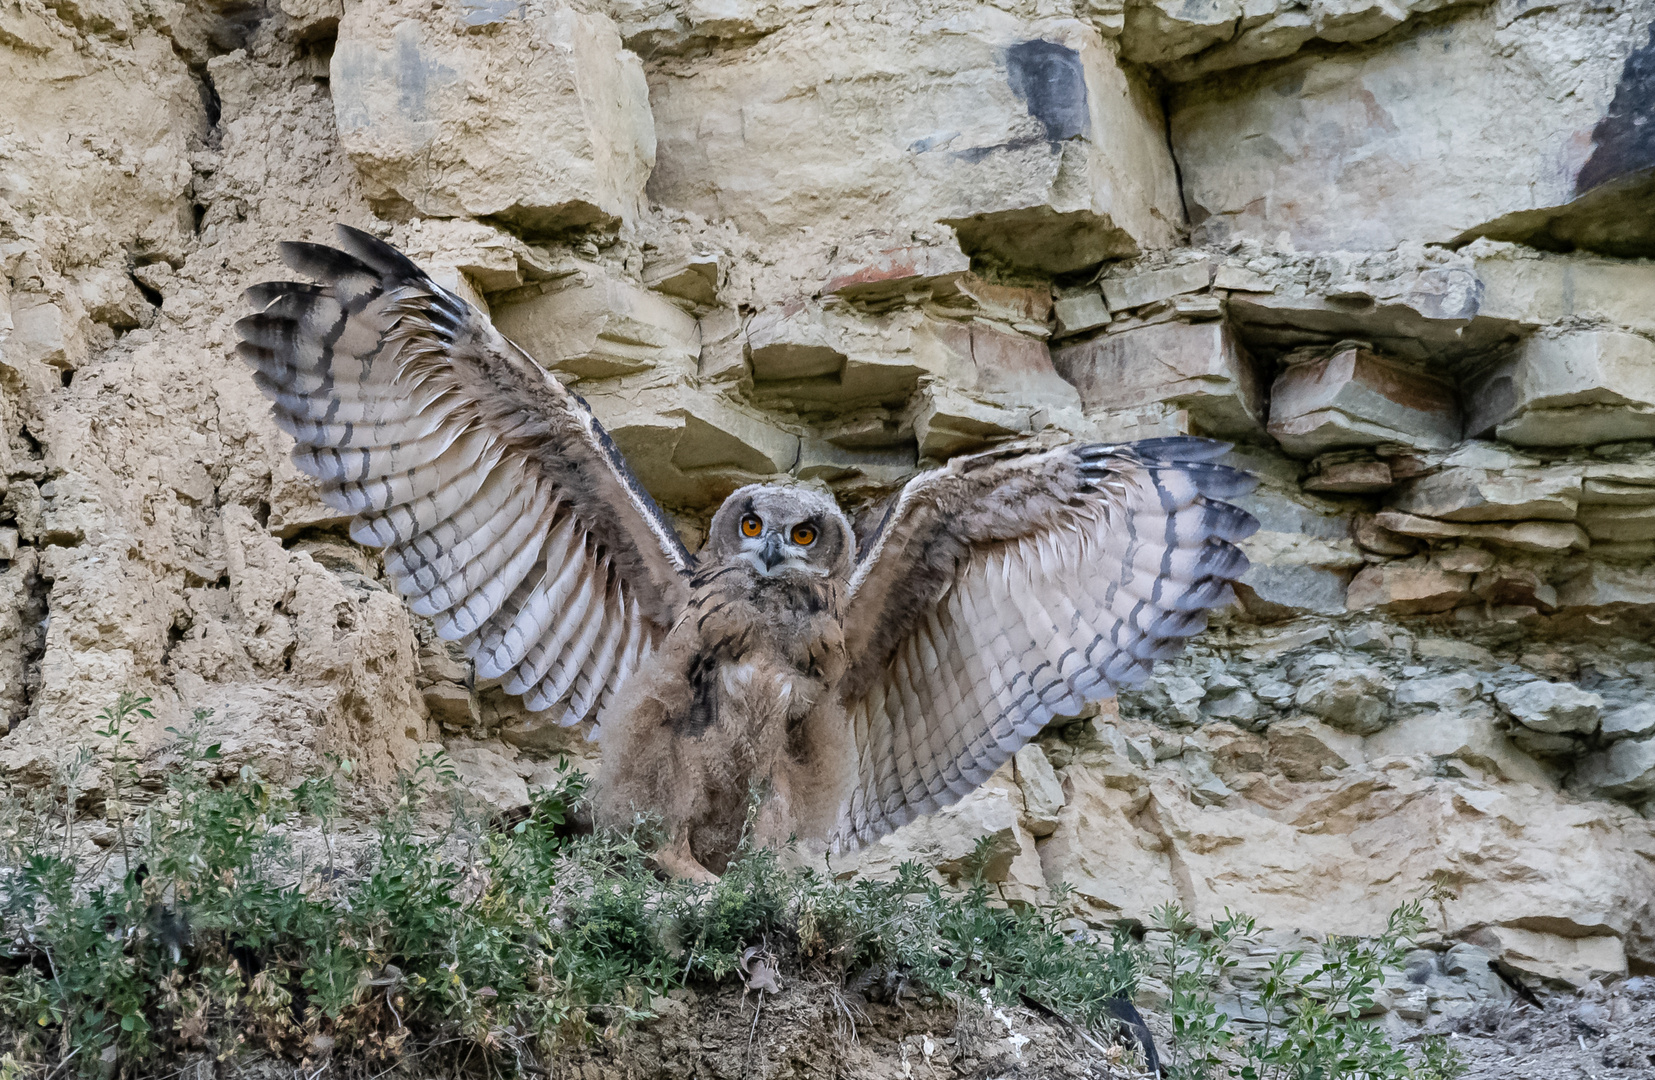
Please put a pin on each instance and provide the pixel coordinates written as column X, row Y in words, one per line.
column 1533, row 289
column 1407, row 590
column 1027, row 138
column 1081, row 311
column 1510, row 585
column 1189, row 40
column 1043, row 796
column 1632, row 722
column 1359, row 477
column 1469, row 123
column 897, row 271
column 1598, row 585
column 1619, row 523
column 1555, row 708
column 1571, row 960
column 489, row 774
column 1151, row 286
column 1587, row 386
column 1301, row 559
column 314, row 19
column 410, row 85
column 695, row 279
column 1625, row 770
column 1351, row 698
column 689, row 448
column 1196, row 367
column 1466, row 735
column 592, row 325
column 1536, row 536
column 1356, row 398
column 1416, row 303
column 1468, row 494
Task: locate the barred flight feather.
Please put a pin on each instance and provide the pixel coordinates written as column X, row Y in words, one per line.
column 1121, row 553
column 410, row 409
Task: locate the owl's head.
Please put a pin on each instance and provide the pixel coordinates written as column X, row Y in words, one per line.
column 782, row 529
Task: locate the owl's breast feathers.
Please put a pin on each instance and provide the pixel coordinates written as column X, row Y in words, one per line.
column 766, row 649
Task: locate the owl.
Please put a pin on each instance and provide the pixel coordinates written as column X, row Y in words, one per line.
column 853, row 687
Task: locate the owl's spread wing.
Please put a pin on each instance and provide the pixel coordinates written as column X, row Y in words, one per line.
column 505, row 511
column 1008, row 589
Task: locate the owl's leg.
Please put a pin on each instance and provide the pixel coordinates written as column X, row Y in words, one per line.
column 678, row 861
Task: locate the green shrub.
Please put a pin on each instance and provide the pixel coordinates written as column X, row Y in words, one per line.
column 206, row 927
column 1313, row 1027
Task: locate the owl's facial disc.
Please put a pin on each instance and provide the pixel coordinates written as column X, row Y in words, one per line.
column 782, row 530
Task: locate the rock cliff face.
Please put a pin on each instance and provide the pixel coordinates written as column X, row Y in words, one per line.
column 1400, row 253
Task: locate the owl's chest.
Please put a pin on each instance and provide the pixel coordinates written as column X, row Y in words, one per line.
column 778, row 625
column 762, row 658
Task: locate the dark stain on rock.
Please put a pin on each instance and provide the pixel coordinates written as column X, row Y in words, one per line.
column 1050, row 80
column 1624, row 140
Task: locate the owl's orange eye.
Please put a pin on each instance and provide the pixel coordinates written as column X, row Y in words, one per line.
column 804, row 535
column 751, row 525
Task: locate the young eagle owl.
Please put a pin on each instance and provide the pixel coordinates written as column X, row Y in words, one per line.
column 860, row 689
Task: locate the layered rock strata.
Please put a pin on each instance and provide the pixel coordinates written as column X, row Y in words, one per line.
column 1400, row 254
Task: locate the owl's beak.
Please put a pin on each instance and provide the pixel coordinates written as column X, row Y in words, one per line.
column 772, row 552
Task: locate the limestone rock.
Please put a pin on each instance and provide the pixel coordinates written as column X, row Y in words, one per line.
column 1417, row 304
column 898, row 271
column 723, row 347
column 1151, row 286
column 1043, row 797
column 947, row 422
column 1619, row 523
column 450, row 705
column 1305, row 749
column 1027, row 138
column 1355, row 477
column 1537, row 536
column 1534, row 289
column 695, row 279
column 1555, row 708
column 1585, row 386
column 486, row 773
column 1449, row 692
column 1443, row 138
column 1131, row 872
column 1467, row 735
column 1515, row 585
column 1610, row 588
column 452, row 121
column 690, row 448
column 1301, row 559
column 1081, row 311
column 1625, row 770
column 1571, row 960
column 1464, row 494
column 1356, row 398
column 1407, row 590
column 1632, row 722
column 1186, row 41
column 1352, row 698
column 1197, row 367
column 591, row 325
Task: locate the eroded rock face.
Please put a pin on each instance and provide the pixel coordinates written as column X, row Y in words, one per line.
column 872, row 239
column 1466, row 127
column 1023, row 135
column 532, row 113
